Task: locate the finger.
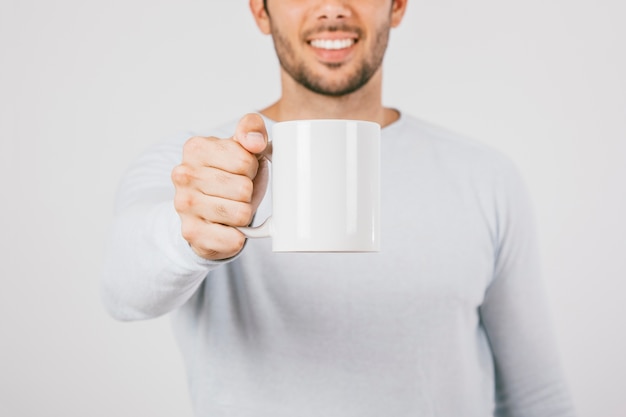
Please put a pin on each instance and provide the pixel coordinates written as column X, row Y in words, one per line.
column 218, row 183
column 214, row 182
column 251, row 133
column 218, row 210
column 224, row 154
column 260, row 184
column 211, row 240
column 227, row 212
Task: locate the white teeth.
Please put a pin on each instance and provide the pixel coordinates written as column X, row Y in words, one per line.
column 332, row 43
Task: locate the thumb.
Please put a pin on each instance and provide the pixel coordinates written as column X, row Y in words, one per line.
column 251, row 133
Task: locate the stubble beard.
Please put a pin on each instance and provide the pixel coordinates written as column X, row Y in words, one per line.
column 303, row 75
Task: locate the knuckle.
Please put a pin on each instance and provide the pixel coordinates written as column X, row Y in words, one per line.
column 183, row 201
column 193, row 145
column 181, row 175
column 235, row 214
column 223, row 148
column 222, row 177
column 189, row 232
column 221, row 211
column 223, row 145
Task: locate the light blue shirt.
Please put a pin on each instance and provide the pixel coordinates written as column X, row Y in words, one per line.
column 449, row 319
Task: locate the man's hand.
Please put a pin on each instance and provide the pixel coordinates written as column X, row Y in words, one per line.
column 219, row 184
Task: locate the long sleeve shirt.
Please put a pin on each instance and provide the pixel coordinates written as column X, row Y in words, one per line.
column 449, row 319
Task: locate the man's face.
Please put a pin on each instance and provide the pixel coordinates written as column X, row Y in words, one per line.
column 330, row 47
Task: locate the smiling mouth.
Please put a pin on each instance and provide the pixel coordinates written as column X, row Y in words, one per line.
column 332, row 44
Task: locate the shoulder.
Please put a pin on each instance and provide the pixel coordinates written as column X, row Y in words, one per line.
column 450, row 149
column 446, row 140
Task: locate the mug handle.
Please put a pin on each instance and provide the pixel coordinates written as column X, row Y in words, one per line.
column 264, row 229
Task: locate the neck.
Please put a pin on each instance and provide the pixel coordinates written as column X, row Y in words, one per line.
column 297, row 102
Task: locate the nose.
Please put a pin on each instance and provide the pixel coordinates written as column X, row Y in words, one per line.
column 333, row 10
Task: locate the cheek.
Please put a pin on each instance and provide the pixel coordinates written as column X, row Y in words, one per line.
column 287, row 29
column 288, row 15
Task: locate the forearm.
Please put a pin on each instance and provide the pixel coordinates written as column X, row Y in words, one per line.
column 149, row 269
column 529, row 378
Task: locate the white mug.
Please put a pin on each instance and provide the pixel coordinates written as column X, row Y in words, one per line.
column 325, row 187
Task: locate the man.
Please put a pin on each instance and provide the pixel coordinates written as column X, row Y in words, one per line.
column 448, row 319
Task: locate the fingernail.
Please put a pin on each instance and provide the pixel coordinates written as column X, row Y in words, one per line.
column 255, row 136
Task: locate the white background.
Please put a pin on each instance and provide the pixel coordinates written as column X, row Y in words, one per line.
column 86, row 85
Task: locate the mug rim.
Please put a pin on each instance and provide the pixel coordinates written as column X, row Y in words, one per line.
column 329, row 121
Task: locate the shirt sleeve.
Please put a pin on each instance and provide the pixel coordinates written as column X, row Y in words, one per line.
column 149, row 269
column 515, row 314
